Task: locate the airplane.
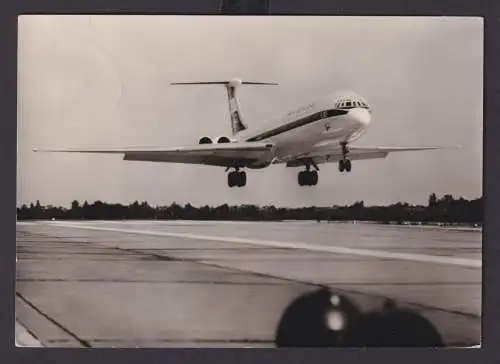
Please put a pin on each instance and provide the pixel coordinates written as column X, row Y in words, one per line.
column 317, row 133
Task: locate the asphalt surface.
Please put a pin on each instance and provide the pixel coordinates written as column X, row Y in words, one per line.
column 214, row 284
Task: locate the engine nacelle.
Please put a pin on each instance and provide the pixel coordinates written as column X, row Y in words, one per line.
column 205, row 140
column 223, row 139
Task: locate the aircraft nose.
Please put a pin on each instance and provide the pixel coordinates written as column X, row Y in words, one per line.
column 362, row 116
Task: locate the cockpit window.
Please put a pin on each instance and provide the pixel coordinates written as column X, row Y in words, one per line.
column 350, row 102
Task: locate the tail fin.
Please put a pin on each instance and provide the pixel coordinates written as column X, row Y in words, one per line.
column 237, row 124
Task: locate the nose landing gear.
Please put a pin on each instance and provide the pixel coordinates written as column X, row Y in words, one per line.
column 344, row 163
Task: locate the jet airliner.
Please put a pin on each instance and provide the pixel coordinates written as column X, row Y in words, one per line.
column 317, row 133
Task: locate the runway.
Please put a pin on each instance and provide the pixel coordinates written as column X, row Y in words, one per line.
column 226, row 284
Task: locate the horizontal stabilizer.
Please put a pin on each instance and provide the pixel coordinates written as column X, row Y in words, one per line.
column 231, row 82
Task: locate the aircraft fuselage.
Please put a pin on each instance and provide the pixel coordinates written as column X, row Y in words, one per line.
column 337, row 119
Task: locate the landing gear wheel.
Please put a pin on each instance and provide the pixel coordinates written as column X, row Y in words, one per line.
column 236, row 178
column 300, row 178
column 231, row 179
column 345, row 165
column 314, row 178
column 307, row 178
column 242, row 179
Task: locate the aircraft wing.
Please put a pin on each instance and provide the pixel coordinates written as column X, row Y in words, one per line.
column 329, row 154
column 223, row 155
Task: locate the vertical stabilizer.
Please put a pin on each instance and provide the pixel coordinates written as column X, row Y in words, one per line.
column 237, row 124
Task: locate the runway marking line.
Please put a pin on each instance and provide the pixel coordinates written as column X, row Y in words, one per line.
column 23, row 338
column 470, row 263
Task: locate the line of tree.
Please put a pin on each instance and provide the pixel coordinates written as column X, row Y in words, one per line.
column 446, row 210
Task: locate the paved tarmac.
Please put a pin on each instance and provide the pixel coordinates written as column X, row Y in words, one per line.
column 227, row 284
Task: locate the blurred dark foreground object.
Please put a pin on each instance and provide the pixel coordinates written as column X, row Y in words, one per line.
column 326, row 319
column 317, row 319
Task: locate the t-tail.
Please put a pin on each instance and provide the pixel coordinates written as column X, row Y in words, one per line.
column 237, row 124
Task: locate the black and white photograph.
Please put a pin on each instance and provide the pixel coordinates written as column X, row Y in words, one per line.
column 249, row 181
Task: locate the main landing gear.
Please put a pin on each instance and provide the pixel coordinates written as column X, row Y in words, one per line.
column 236, row 179
column 308, row 177
column 344, row 163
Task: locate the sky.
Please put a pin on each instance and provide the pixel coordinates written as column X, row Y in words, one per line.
column 103, row 81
